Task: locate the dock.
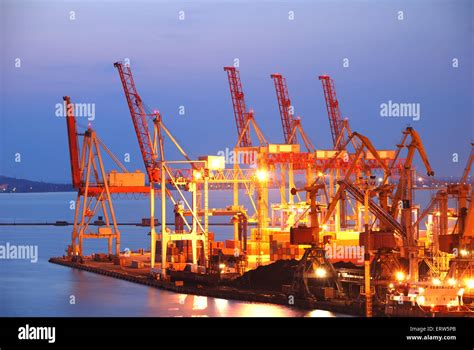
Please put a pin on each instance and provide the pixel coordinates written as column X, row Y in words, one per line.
column 144, row 277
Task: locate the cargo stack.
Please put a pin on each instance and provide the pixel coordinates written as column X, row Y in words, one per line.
column 181, row 251
column 286, row 251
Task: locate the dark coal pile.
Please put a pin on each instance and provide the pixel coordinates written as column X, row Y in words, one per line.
column 269, row 277
column 346, row 265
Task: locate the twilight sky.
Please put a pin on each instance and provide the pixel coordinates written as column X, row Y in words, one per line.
column 180, row 63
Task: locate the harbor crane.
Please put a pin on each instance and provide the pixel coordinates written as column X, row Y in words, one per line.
column 338, row 126
column 404, row 193
column 152, row 164
column 159, row 171
column 285, row 108
column 238, row 103
column 290, row 127
column 94, row 186
column 290, row 124
column 243, row 117
column 73, row 143
column 332, row 106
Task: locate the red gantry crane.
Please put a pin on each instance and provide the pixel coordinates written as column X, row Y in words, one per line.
column 332, row 105
column 289, row 123
column 158, row 171
column 243, row 118
column 73, row 143
column 139, row 118
column 238, row 102
column 95, row 186
column 337, row 128
column 290, row 126
column 153, row 167
column 284, row 105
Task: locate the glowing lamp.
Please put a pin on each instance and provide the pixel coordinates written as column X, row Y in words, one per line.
column 197, row 175
column 262, row 175
column 400, row 276
column 320, row 272
column 469, row 283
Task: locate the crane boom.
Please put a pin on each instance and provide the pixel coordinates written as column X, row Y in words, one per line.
column 334, row 114
column 284, row 105
column 73, row 143
column 467, row 169
column 139, row 118
column 238, row 102
column 403, row 186
column 416, row 143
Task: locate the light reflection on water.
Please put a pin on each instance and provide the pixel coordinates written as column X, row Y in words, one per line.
column 44, row 289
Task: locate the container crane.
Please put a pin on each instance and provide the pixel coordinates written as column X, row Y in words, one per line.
column 284, row 106
column 290, row 125
column 94, row 187
column 334, row 114
column 243, row 118
column 337, row 125
column 290, row 128
column 467, row 221
column 404, row 193
column 159, row 171
column 467, row 169
column 139, row 118
column 345, row 184
column 462, row 265
column 404, row 187
column 464, row 229
column 152, row 165
column 73, row 143
column 238, row 102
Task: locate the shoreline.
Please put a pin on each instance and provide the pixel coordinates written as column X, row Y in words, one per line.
column 221, row 292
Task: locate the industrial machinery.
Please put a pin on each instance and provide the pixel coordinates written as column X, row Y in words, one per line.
column 350, row 195
column 339, row 128
column 461, row 239
column 94, row 187
column 404, row 195
column 315, row 275
column 173, row 179
column 332, row 105
column 159, row 171
column 244, row 119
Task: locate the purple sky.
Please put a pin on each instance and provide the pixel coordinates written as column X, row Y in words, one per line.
column 180, row 63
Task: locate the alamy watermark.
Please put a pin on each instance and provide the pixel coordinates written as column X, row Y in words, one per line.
column 400, row 110
column 350, row 252
column 78, row 110
column 19, row 252
column 239, row 157
column 37, row 333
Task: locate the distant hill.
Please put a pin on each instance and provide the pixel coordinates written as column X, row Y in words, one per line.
column 14, row 185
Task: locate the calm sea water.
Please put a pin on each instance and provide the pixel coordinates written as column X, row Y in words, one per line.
column 44, row 289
